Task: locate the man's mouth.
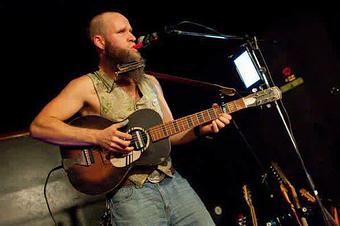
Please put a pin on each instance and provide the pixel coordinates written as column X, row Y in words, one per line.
column 138, row 46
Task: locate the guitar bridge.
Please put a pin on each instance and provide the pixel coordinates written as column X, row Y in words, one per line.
column 84, row 158
column 88, row 156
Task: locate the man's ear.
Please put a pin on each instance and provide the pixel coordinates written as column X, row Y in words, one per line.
column 99, row 42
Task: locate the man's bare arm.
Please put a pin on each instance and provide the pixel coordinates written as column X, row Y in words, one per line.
column 49, row 124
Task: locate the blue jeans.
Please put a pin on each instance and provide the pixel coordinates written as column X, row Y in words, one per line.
column 170, row 202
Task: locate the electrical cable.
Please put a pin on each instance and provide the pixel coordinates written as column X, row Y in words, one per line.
column 45, row 186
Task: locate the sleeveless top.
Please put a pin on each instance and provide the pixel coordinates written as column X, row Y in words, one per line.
column 117, row 105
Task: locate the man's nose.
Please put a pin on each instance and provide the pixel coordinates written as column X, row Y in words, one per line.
column 132, row 37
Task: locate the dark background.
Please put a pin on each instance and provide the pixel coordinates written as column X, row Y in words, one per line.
column 44, row 45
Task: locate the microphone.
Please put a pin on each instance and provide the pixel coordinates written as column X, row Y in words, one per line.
column 146, row 40
column 153, row 37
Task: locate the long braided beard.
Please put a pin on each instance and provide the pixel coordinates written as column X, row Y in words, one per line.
column 116, row 56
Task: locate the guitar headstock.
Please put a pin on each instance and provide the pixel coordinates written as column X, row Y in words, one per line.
column 304, row 193
column 263, row 97
column 247, row 195
column 278, row 174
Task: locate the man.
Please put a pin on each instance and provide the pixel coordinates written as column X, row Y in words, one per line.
column 154, row 197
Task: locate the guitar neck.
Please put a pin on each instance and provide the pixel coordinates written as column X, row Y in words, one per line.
column 253, row 215
column 165, row 130
column 247, row 197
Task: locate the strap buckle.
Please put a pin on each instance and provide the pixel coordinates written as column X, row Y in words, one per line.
column 156, row 177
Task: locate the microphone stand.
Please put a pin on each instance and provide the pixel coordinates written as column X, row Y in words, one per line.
column 252, row 47
column 205, row 35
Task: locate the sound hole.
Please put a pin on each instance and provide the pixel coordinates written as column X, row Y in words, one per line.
column 140, row 138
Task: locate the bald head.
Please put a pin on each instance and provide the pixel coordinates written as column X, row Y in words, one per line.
column 111, row 34
column 99, row 23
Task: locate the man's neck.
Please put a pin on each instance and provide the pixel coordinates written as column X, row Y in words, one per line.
column 108, row 70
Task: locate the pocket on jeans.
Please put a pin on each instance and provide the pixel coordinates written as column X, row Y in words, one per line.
column 123, row 194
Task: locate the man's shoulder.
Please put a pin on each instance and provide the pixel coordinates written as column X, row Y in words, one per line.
column 149, row 76
column 152, row 79
column 81, row 80
column 81, row 83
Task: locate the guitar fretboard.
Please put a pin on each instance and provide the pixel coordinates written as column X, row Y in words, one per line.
column 162, row 131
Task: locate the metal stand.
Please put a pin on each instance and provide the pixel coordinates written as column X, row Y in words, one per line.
column 253, row 48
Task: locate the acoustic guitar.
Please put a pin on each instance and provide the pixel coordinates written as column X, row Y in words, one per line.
column 92, row 170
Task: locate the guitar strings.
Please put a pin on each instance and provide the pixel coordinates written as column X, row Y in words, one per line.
column 183, row 122
column 159, row 130
column 171, row 126
column 163, row 130
column 230, row 108
column 134, row 137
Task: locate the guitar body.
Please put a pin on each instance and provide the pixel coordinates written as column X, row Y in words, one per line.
column 94, row 171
